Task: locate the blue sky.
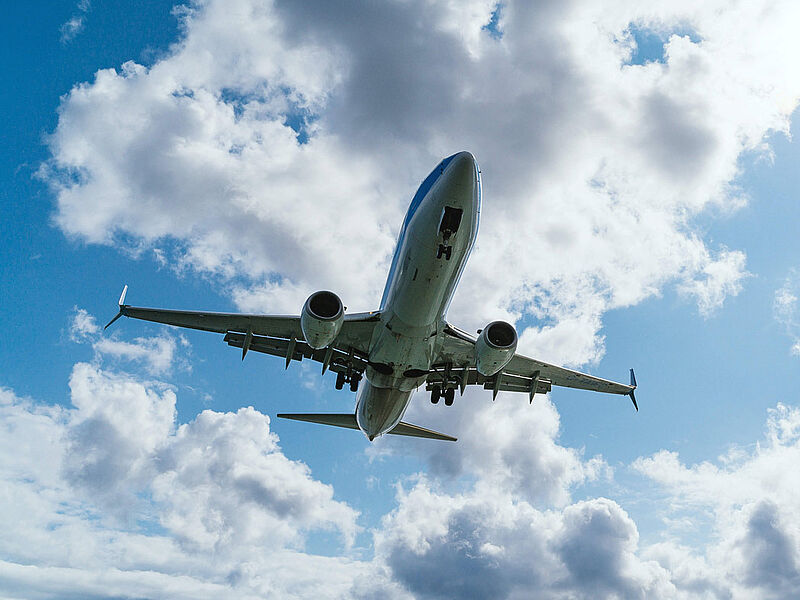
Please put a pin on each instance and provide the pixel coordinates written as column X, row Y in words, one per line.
column 639, row 210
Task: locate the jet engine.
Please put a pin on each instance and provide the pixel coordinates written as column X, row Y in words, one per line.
column 495, row 347
column 321, row 319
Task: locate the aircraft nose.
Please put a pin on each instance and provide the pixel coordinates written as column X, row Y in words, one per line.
column 462, row 170
column 463, row 167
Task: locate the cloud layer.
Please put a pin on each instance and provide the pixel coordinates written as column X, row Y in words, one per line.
column 276, row 147
column 109, row 497
column 273, row 131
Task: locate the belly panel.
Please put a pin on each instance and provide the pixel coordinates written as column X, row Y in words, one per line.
column 380, row 409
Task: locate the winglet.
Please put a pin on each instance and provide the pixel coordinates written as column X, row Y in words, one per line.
column 121, row 304
column 633, row 385
column 122, row 296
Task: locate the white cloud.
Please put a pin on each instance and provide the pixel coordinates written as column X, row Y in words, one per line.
column 717, row 280
column 484, row 544
column 109, row 497
column 750, row 496
column 507, row 444
column 225, row 484
column 74, row 25
column 158, row 354
column 593, row 169
column 593, row 172
column 83, row 326
column 490, row 540
column 786, row 309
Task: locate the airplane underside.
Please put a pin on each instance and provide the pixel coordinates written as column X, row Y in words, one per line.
column 408, row 342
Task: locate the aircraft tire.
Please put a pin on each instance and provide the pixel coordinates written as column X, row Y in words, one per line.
column 435, row 395
column 449, row 396
column 339, row 381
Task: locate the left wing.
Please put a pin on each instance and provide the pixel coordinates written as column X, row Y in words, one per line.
column 278, row 335
column 521, row 374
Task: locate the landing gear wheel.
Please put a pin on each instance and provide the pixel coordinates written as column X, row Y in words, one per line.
column 440, row 251
column 354, row 383
column 449, row 396
column 448, row 251
column 435, row 395
column 339, row 381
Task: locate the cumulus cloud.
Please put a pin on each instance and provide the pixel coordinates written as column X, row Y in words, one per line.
column 485, row 544
column 489, row 541
column 157, row 354
column 110, row 497
column 750, row 497
column 272, row 131
column 225, row 483
column 276, row 148
column 508, row 445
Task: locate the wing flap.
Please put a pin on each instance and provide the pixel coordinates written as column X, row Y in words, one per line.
column 338, row 360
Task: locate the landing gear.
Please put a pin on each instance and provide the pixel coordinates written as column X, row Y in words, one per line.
column 436, row 393
column 445, row 251
column 353, row 379
column 449, row 396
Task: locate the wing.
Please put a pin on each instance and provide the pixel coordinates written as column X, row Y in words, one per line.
column 521, row 374
column 278, row 335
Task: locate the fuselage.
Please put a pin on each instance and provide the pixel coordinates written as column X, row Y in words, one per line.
column 435, row 241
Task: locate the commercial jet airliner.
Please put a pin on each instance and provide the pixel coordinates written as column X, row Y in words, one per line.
column 407, row 342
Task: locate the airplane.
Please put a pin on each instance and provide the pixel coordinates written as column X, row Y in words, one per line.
column 407, row 342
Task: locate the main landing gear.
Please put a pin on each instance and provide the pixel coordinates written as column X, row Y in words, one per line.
column 445, row 251
column 449, row 395
column 352, row 379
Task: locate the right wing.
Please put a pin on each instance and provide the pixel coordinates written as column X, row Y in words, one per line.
column 521, row 374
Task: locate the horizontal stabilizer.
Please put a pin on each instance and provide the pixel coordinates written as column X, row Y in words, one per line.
column 349, row 421
column 417, row 431
column 337, row 420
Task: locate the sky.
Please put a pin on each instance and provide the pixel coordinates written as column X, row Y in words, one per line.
column 639, row 210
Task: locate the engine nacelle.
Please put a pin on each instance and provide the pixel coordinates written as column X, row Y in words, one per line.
column 321, row 319
column 495, row 347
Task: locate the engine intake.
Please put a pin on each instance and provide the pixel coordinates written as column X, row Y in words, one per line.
column 495, row 347
column 321, row 319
